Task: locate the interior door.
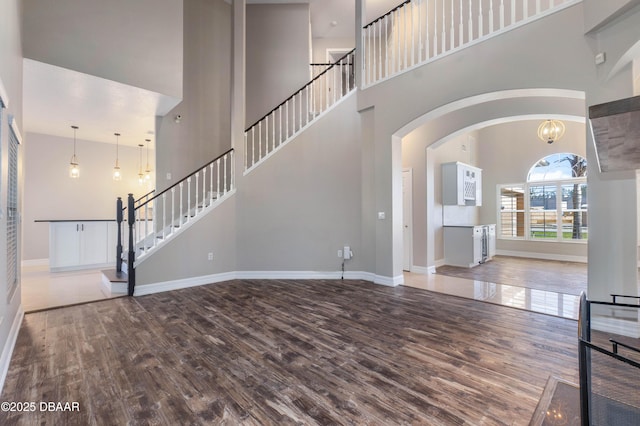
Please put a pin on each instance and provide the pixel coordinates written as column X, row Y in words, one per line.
column 407, row 218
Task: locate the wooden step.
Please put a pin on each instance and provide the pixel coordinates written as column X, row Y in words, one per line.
column 114, row 282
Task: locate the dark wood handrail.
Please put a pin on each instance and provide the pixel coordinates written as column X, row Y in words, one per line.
column 298, row 91
column 184, row 178
column 386, row 14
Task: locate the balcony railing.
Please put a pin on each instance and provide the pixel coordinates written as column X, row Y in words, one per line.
column 418, row 31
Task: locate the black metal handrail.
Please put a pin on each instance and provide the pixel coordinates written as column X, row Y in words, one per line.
column 386, row 14
column 624, row 296
column 584, row 355
column 300, row 90
column 617, row 343
column 184, row 178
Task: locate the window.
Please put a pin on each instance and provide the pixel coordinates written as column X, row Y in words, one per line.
column 551, row 206
column 12, row 216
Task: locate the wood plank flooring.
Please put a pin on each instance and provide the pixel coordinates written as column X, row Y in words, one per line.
column 548, row 275
column 262, row 352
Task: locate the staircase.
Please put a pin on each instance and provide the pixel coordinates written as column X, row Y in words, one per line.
column 154, row 219
column 412, row 34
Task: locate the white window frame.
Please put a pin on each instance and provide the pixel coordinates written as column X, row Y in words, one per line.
column 527, row 210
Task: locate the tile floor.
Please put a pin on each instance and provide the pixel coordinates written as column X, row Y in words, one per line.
column 546, row 302
column 42, row 289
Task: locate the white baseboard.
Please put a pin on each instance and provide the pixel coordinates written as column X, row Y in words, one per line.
column 439, row 263
column 9, row 345
column 35, row 262
column 145, row 289
column 420, row 269
column 543, row 256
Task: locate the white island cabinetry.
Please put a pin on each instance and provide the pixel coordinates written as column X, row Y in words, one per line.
column 79, row 244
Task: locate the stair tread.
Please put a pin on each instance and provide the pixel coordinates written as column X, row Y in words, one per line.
column 115, row 276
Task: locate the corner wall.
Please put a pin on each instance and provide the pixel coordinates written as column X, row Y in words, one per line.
column 11, row 92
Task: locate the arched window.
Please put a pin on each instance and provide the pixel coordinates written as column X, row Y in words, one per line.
column 557, row 167
column 551, row 206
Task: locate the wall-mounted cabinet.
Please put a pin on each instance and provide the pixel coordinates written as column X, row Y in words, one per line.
column 461, row 185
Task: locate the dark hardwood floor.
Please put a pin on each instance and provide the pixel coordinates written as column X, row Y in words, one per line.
column 289, row 352
column 549, row 275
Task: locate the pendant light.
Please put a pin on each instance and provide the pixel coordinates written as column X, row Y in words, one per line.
column 550, row 131
column 140, row 174
column 117, row 175
column 147, row 172
column 74, row 170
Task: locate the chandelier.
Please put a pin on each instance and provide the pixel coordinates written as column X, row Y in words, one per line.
column 550, row 131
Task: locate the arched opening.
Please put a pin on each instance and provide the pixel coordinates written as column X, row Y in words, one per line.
column 417, row 145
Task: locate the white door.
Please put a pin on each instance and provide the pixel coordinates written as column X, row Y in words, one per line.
column 407, row 218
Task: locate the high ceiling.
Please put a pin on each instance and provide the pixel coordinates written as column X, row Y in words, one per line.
column 56, row 98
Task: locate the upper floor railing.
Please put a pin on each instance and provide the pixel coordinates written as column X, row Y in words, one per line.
column 418, row 31
column 296, row 112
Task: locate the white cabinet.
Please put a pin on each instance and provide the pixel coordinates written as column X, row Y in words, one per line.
column 78, row 245
column 468, row 246
column 461, row 185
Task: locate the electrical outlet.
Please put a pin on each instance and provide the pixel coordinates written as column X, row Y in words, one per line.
column 340, row 253
column 210, row 256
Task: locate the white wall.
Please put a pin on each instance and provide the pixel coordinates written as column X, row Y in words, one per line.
column 278, row 55
column 598, row 13
column 137, row 42
column 320, row 46
column 11, row 83
column 49, row 192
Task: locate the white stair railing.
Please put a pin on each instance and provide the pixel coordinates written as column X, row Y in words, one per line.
column 156, row 219
column 298, row 111
column 418, row 31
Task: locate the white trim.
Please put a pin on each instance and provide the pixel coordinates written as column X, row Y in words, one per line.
column 432, row 269
column 616, row 326
column 34, row 262
column 111, row 288
column 9, row 345
column 389, row 281
column 145, row 289
column 421, row 269
column 439, row 263
column 4, row 98
column 14, row 127
column 544, row 256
